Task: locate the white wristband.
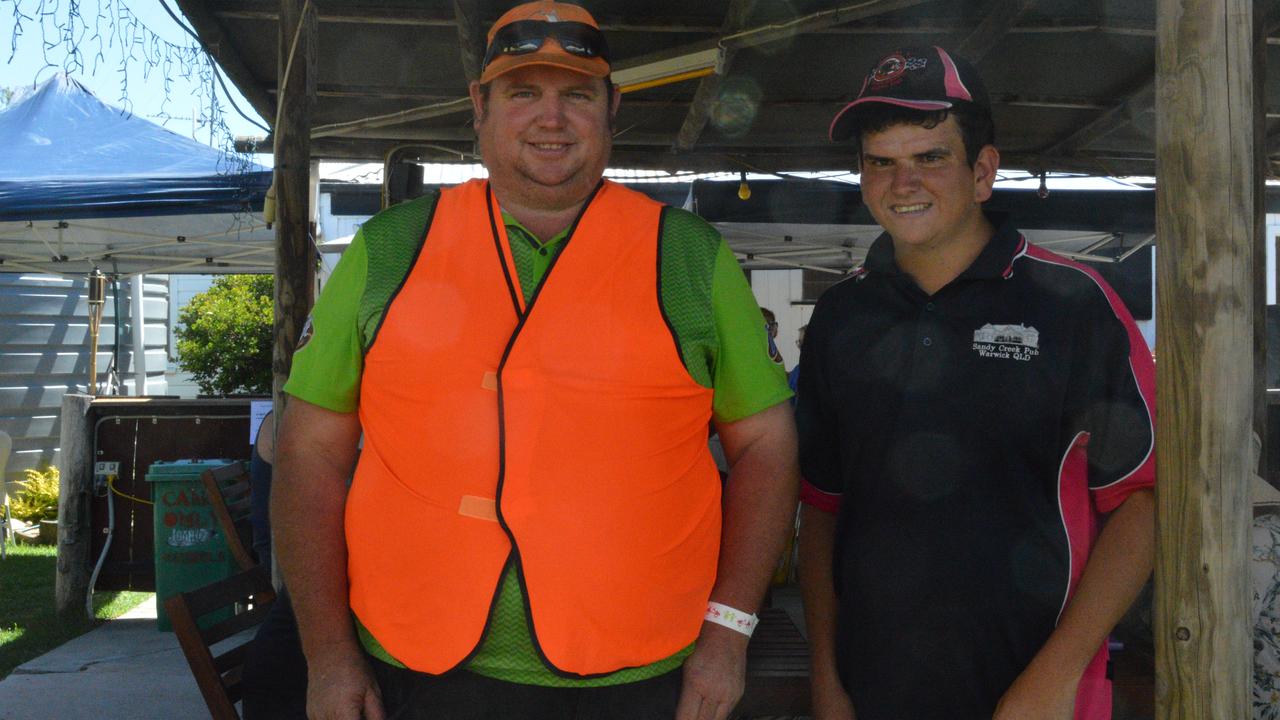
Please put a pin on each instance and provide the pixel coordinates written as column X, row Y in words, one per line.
column 743, row 622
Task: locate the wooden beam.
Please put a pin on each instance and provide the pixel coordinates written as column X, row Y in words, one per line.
column 1106, row 165
column 1001, row 16
column 791, row 155
column 1208, row 201
column 1134, row 104
column 695, row 120
column 471, row 42
column 295, row 258
column 253, row 10
column 382, row 92
column 218, row 43
column 397, row 118
column 763, row 35
column 441, row 94
column 813, row 22
column 777, row 32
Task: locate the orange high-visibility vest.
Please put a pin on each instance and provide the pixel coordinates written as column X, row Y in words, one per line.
column 566, row 435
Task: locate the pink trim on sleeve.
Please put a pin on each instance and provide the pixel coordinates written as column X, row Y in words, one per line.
column 818, row 499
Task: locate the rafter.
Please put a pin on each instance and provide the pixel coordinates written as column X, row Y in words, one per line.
column 1139, row 101
column 337, row 13
column 217, row 42
column 732, row 41
column 470, row 38
column 1001, row 16
column 709, row 87
column 1135, row 103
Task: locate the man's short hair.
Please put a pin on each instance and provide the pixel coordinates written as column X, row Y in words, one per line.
column 976, row 127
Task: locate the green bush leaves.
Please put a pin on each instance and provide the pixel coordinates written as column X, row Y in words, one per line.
column 38, row 497
column 225, row 336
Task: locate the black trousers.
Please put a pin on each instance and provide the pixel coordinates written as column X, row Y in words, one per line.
column 274, row 680
column 409, row 695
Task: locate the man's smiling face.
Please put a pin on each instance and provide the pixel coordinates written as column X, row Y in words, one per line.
column 919, row 186
column 545, row 134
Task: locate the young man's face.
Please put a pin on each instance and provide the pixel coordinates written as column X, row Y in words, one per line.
column 919, row 186
column 545, row 134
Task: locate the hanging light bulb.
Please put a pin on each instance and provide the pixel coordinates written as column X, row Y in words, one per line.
column 1043, row 192
column 744, row 190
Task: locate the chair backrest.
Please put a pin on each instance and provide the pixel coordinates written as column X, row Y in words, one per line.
column 228, row 490
column 6, row 445
column 219, row 676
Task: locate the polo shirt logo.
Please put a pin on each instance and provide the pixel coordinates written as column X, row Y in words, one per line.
column 305, row 337
column 1010, row 342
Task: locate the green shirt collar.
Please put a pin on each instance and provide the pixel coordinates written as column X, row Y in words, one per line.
column 512, row 223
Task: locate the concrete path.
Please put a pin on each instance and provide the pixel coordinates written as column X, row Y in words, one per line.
column 123, row 670
column 128, row 670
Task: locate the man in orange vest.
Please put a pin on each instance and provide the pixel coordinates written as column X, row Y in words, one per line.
column 535, row 528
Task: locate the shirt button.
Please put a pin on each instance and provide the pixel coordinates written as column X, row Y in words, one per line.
column 929, row 306
column 927, row 342
column 542, row 252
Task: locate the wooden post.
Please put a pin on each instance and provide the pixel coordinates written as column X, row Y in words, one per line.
column 295, row 257
column 1207, row 206
column 75, row 469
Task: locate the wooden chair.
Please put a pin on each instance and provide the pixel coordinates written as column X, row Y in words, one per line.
column 228, row 490
column 6, row 529
column 218, row 676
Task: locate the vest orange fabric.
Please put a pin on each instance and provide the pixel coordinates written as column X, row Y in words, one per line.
column 570, row 429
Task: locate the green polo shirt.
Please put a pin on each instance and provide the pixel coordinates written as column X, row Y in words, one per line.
column 722, row 340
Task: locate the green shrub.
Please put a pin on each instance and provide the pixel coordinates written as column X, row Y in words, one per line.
column 38, row 498
column 224, row 337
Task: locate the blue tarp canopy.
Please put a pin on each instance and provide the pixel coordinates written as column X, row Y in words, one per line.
column 84, row 183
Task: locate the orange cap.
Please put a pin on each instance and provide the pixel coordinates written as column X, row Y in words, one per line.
column 551, row 53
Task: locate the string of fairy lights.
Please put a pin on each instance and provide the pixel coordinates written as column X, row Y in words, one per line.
column 104, row 36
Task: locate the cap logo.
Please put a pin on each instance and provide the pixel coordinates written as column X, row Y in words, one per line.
column 889, row 68
column 892, row 68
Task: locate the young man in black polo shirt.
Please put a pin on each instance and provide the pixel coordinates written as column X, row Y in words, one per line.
column 976, row 433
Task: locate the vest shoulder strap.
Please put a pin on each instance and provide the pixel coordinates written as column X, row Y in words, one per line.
column 393, row 239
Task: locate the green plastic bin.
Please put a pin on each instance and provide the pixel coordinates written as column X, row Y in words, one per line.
column 190, row 549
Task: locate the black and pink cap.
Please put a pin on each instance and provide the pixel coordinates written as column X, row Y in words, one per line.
column 923, row 78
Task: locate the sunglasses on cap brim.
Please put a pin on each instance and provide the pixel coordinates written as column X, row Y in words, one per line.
column 526, row 36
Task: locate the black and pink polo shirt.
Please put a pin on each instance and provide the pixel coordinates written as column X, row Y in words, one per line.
column 971, row 441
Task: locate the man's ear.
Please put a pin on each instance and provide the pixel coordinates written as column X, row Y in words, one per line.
column 615, row 97
column 477, row 101
column 984, row 172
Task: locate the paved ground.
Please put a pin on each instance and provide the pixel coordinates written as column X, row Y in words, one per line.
column 123, row 670
column 127, row 670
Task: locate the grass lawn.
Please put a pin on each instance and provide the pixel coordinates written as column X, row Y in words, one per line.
column 28, row 627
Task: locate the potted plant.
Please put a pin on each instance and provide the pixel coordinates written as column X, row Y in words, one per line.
column 36, row 502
